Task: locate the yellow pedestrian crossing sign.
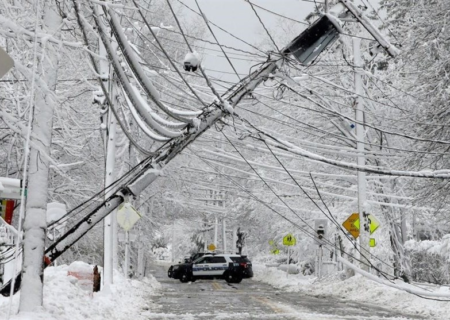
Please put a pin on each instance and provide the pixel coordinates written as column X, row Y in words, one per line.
column 289, row 240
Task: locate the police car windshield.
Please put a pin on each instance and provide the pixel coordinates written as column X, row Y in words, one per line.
column 240, row 259
column 198, row 259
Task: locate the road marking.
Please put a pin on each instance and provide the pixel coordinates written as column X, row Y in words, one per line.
column 216, row 286
column 270, row 304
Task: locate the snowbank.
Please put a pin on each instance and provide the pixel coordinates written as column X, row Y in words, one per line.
column 357, row 288
column 64, row 299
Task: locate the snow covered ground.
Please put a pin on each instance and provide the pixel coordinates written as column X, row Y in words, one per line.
column 64, row 299
column 131, row 299
column 357, row 288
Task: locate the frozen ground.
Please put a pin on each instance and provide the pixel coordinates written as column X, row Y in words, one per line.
column 293, row 297
column 358, row 289
column 64, row 299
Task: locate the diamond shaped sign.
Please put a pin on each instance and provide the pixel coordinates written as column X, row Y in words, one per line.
column 127, row 216
column 373, row 223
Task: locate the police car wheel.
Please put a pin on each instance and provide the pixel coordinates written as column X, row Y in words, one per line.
column 185, row 277
column 237, row 279
column 228, row 277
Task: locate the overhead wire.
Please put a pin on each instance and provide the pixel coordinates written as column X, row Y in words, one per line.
column 200, row 67
column 227, row 32
column 307, row 232
column 277, row 14
column 215, row 38
column 330, row 218
column 167, row 54
column 262, row 24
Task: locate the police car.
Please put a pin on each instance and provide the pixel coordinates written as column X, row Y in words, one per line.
column 231, row 267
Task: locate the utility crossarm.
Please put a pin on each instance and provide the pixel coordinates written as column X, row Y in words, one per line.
column 150, row 168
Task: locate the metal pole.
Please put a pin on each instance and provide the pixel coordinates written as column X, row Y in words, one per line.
column 224, row 235
column 289, row 258
column 319, row 273
column 127, row 254
column 204, row 242
column 141, row 257
column 173, row 239
column 336, row 250
column 359, row 104
column 233, row 245
column 215, row 231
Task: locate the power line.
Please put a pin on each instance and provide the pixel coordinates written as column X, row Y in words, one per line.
column 215, row 38
column 230, row 34
column 263, row 25
column 277, row 14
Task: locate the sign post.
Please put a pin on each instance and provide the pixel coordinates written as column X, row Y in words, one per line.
column 127, row 216
column 289, row 240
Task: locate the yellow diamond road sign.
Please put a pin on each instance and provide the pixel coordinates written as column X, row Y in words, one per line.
column 289, row 240
column 352, row 224
column 127, row 216
column 349, row 224
column 211, row 247
column 373, row 223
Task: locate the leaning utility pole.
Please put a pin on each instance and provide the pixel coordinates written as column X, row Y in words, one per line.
column 151, row 167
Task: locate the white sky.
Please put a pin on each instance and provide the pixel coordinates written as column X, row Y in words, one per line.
column 237, row 17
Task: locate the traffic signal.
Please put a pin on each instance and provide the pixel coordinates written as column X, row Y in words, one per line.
column 320, row 231
column 320, row 225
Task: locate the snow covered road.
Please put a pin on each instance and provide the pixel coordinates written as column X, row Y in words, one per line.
column 252, row 300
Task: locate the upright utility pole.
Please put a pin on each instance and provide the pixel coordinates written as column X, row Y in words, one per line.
column 360, row 146
column 35, row 224
column 108, row 246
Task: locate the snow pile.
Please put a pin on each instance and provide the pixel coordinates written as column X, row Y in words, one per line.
column 64, row 299
column 357, row 288
column 441, row 248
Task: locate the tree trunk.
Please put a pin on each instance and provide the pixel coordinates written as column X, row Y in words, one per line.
column 35, row 225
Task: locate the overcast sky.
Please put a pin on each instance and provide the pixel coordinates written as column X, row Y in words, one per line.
column 237, row 17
